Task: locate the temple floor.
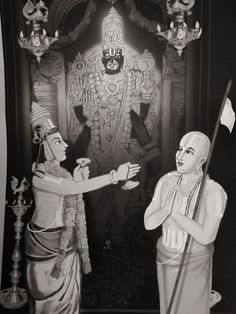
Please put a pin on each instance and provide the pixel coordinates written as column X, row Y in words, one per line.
column 101, row 311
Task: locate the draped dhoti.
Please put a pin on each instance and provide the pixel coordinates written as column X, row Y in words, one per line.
column 47, row 294
column 193, row 293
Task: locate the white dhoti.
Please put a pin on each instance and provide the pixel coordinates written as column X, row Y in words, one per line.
column 193, row 293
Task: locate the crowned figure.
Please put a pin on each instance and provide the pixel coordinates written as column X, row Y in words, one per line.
column 115, row 97
column 56, row 244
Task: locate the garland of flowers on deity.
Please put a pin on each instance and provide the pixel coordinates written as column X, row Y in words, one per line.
column 120, row 114
column 74, row 218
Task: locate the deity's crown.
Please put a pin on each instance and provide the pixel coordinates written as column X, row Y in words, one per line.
column 41, row 121
column 112, row 30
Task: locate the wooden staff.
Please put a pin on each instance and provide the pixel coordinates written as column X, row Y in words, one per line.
column 199, row 195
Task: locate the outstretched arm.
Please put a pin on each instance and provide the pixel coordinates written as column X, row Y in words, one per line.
column 205, row 233
column 63, row 186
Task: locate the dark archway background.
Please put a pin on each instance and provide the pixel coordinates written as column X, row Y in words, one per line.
column 121, row 271
column 216, row 58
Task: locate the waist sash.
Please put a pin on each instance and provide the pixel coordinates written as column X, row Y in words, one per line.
column 43, row 245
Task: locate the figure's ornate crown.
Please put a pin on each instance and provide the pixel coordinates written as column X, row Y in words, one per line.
column 112, row 30
column 41, row 121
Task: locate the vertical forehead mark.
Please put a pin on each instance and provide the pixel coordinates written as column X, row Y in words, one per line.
column 112, row 52
column 189, row 140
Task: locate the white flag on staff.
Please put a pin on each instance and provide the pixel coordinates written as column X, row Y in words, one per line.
column 228, row 115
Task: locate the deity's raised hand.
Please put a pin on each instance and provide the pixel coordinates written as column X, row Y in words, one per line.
column 87, row 97
column 127, row 171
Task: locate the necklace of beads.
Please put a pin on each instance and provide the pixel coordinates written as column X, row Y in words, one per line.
column 190, row 196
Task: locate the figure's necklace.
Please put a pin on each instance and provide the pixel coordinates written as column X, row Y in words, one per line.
column 56, row 170
column 114, row 77
column 191, row 194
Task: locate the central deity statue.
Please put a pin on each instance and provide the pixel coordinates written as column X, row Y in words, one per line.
column 115, row 95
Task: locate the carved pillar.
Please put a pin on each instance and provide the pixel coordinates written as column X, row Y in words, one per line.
column 48, row 84
column 198, row 69
column 173, row 105
column 23, row 95
column 205, row 64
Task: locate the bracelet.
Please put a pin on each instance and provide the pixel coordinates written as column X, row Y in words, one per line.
column 146, row 99
column 112, row 177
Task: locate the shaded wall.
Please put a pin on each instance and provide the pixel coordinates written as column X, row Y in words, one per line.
column 222, row 67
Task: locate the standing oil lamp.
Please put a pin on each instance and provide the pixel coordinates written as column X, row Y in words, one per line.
column 15, row 297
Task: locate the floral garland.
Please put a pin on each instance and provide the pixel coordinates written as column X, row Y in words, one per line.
column 86, row 20
column 136, row 17
column 118, row 111
column 74, row 217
